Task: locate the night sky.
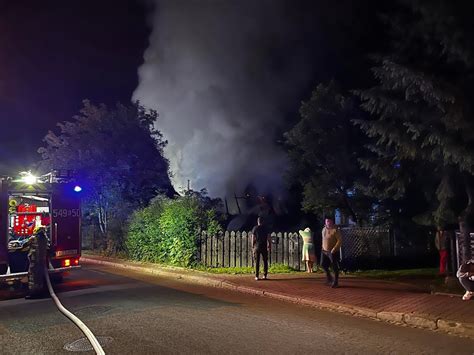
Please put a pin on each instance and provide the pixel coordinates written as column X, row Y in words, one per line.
column 54, row 54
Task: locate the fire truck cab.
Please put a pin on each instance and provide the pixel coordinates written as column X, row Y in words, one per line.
column 53, row 201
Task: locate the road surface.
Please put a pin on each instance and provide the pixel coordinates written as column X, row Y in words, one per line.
column 143, row 314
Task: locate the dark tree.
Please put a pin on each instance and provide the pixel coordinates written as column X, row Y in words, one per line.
column 422, row 109
column 118, row 156
column 324, row 147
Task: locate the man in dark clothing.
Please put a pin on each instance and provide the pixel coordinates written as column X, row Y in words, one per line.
column 261, row 243
column 37, row 255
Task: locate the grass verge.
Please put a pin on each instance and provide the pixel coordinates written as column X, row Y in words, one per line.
column 273, row 269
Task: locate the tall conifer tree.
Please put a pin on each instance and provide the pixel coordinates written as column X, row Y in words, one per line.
column 422, row 108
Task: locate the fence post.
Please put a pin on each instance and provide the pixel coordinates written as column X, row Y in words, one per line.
column 235, row 249
column 283, row 257
column 291, row 250
column 211, row 254
column 270, row 256
column 298, row 253
column 241, row 240
column 276, row 247
column 223, row 248
column 228, row 254
column 200, row 246
column 218, row 242
column 204, row 252
column 244, row 256
column 215, row 253
column 216, row 238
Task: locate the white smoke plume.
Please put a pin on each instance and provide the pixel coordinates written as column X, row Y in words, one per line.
column 218, row 73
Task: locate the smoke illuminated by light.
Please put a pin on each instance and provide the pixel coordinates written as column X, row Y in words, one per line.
column 215, row 74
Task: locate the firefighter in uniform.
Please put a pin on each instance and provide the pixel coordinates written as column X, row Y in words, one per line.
column 37, row 247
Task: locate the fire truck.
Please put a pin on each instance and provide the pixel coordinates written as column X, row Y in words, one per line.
column 52, row 201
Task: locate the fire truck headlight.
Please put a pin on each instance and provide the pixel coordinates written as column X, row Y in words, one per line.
column 77, row 188
column 29, row 179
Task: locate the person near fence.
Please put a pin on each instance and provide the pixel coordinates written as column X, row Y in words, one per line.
column 309, row 256
column 261, row 243
column 465, row 276
column 442, row 244
column 331, row 245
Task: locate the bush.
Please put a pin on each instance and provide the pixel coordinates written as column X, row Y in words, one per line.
column 144, row 235
column 167, row 230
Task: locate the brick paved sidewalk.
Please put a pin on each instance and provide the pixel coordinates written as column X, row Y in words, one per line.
column 384, row 300
column 376, row 295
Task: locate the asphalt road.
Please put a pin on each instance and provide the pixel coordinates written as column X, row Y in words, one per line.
column 142, row 314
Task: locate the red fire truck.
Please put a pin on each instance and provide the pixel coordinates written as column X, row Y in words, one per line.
column 53, row 201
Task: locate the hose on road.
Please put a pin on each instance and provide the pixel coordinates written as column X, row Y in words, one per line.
column 87, row 332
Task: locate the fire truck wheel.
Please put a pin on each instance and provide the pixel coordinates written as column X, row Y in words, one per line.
column 3, row 269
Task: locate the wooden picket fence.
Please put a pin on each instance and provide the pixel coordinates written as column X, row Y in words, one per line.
column 234, row 249
column 362, row 247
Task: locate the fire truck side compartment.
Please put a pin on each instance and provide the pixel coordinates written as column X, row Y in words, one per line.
column 64, row 215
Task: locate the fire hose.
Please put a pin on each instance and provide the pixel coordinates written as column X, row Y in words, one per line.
column 87, row 332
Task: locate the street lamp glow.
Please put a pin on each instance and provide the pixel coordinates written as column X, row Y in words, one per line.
column 77, row 188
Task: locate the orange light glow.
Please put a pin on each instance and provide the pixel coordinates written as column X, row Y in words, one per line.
column 67, row 262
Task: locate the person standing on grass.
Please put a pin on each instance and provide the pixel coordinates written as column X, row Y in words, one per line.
column 261, row 244
column 331, row 244
column 308, row 253
column 441, row 242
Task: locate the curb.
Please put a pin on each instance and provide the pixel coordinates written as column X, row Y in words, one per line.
column 409, row 319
